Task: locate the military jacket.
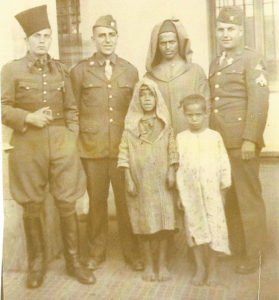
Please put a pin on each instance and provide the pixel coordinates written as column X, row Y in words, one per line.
column 239, row 98
column 103, row 104
column 27, row 88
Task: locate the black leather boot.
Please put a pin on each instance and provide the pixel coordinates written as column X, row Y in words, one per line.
column 70, row 239
column 35, row 251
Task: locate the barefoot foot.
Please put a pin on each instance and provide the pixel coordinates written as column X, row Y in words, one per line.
column 199, row 277
column 211, row 281
column 148, row 275
column 164, row 274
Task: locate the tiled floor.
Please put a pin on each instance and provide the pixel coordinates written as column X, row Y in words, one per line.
column 116, row 281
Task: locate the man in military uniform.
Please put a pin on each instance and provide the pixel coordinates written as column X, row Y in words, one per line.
column 103, row 85
column 239, row 95
column 39, row 105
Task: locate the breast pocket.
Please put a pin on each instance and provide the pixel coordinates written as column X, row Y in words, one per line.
column 124, row 92
column 92, row 93
column 124, row 83
column 57, row 86
column 235, row 116
column 234, row 78
column 25, row 90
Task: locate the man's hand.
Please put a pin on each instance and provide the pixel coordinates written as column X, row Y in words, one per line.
column 248, row 150
column 171, row 177
column 39, row 118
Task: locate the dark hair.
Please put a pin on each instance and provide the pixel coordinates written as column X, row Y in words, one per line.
column 193, row 99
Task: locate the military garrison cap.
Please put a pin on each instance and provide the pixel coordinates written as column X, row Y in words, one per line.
column 33, row 20
column 106, row 21
column 231, row 15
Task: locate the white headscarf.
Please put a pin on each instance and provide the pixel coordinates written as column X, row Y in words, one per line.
column 136, row 112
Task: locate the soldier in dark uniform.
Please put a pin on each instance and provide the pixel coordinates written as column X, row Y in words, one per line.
column 39, row 105
column 239, row 95
column 103, row 85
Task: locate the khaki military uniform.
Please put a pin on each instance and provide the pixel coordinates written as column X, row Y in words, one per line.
column 239, row 101
column 41, row 155
column 103, row 105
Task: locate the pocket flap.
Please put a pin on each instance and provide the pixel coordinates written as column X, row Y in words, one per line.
column 57, row 85
column 124, row 82
column 28, row 85
column 91, row 84
column 236, row 116
column 234, row 70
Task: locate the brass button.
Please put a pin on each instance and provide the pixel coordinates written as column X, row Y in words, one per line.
column 40, row 69
column 28, row 88
column 219, row 73
column 91, row 63
column 216, row 86
column 44, row 75
column 45, row 92
column 109, row 86
column 44, row 100
column 111, row 120
column 239, row 119
column 45, row 83
column 111, row 109
column 58, row 114
column 110, row 96
column 216, row 110
column 217, row 98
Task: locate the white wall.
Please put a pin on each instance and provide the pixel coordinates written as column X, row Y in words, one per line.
column 136, row 19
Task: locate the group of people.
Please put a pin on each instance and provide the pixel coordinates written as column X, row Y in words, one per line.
column 174, row 145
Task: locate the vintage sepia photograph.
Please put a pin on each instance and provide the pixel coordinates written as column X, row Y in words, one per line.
column 140, row 149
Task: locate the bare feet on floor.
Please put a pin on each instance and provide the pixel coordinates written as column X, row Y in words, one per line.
column 164, row 274
column 199, row 278
column 211, row 281
column 148, row 274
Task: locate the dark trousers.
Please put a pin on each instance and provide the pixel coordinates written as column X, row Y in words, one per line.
column 245, row 206
column 100, row 172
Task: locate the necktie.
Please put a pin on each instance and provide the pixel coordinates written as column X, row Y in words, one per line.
column 108, row 69
column 223, row 59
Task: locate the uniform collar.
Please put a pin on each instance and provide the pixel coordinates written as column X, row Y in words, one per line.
column 233, row 54
column 101, row 59
column 34, row 61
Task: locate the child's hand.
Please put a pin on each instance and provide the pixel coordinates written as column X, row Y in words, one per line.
column 129, row 184
column 171, row 177
column 131, row 188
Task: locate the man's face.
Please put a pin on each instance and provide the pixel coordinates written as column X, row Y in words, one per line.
column 168, row 45
column 229, row 35
column 39, row 42
column 105, row 40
